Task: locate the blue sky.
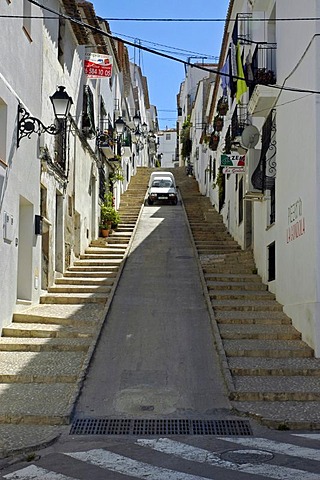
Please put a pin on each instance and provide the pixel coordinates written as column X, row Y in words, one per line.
column 200, row 39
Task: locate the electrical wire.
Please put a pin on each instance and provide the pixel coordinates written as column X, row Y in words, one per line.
column 113, row 19
column 187, row 52
column 164, row 55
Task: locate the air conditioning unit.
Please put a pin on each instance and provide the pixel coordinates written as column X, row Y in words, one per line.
column 252, row 162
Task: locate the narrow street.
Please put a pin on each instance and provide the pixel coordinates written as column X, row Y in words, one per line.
column 154, row 403
column 156, row 350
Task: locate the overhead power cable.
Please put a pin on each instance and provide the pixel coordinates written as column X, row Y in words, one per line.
column 112, row 19
column 164, row 55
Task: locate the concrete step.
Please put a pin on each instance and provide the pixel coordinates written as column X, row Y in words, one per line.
column 36, row 403
column 107, row 249
column 258, row 332
column 247, row 305
column 61, row 314
column 231, row 277
column 98, row 263
column 79, row 289
column 246, row 295
column 276, row 388
column 46, row 330
column 77, row 298
column 91, row 273
column 84, row 281
column 274, row 366
column 102, row 256
column 251, row 286
column 298, row 415
column 252, row 317
column 32, row 367
column 267, row 348
column 8, row 344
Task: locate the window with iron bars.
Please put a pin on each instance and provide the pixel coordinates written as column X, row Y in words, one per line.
column 60, row 146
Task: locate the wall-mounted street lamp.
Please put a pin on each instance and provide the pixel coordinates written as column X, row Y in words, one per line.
column 120, row 126
column 27, row 125
column 136, row 121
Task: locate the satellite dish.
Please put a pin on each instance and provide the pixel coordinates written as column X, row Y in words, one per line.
column 250, row 137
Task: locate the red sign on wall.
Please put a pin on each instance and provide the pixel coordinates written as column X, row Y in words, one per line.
column 97, row 65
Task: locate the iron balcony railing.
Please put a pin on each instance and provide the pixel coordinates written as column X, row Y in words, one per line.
column 262, row 70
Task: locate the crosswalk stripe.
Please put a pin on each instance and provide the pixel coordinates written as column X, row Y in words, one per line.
column 196, row 454
column 34, row 473
column 127, row 466
column 276, row 447
column 312, row 436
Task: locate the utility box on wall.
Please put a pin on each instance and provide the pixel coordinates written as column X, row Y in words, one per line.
column 8, row 231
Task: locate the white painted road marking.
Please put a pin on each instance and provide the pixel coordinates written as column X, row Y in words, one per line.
column 276, row 447
column 34, row 473
column 195, row 454
column 132, row 468
column 312, row 436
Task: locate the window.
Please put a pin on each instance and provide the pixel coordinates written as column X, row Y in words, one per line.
column 61, row 41
column 272, row 205
column 271, row 262
column 210, row 168
column 88, row 128
column 168, row 136
column 240, row 201
column 3, row 130
column 61, row 146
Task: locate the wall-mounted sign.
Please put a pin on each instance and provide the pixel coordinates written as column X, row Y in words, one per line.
column 97, row 65
column 233, row 163
column 296, row 221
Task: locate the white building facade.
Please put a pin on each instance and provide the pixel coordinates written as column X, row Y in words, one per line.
column 167, row 148
column 52, row 184
column 271, row 122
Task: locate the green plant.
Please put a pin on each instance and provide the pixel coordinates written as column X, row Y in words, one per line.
column 185, row 138
column 117, row 175
column 220, row 183
column 109, row 216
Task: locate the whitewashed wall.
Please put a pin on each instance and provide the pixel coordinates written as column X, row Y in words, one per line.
column 19, row 168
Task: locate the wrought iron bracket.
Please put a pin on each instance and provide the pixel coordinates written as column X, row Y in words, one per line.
column 27, row 125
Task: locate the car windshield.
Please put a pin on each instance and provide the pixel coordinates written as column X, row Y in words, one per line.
column 162, row 183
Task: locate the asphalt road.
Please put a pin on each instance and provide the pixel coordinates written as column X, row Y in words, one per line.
column 156, row 355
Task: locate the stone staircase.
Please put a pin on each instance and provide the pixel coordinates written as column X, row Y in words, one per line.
column 47, row 348
column 271, row 373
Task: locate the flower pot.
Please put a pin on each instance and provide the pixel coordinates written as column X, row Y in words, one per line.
column 104, row 232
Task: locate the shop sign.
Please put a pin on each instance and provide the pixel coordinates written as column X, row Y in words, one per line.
column 233, row 163
column 97, row 65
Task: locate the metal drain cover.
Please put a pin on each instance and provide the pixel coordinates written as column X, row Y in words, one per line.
column 130, row 426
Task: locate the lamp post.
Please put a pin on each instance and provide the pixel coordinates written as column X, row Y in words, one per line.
column 27, row 125
column 120, row 126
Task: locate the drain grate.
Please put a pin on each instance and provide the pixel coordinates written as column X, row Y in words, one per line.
column 129, row 426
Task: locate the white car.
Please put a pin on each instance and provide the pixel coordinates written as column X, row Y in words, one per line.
column 162, row 188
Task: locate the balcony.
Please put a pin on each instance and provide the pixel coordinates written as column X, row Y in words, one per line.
column 262, row 101
column 263, row 73
column 106, row 144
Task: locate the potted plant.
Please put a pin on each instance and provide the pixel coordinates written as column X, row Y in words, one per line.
column 222, row 106
column 218, row 123
column 214, row 141
column 109, row 216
